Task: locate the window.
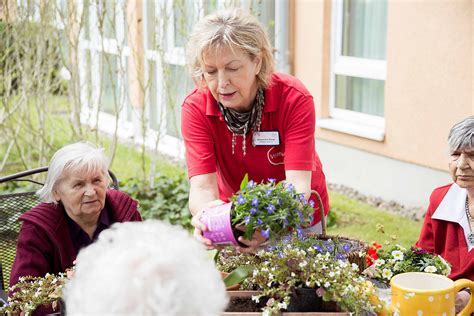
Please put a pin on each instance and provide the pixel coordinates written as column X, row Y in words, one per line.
column 358, row 70
column 105, row 72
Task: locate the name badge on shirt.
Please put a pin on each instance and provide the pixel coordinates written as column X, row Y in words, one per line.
column 266, row 138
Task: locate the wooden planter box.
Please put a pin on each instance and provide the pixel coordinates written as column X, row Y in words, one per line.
column 247, row 294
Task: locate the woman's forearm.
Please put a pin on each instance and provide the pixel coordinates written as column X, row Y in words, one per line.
column 203, row 192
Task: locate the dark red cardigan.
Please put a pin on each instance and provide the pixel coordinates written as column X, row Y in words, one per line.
column 44, row 244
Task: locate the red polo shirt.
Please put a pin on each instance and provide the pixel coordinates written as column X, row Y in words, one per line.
column 288, row 109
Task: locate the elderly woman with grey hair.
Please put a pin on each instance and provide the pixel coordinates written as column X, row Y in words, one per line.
column 76, row 207
column 147, row 268
column 448, row 229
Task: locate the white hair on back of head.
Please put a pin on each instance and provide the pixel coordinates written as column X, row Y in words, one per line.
column 145, row 268
column 461, row 135
column 83, row 157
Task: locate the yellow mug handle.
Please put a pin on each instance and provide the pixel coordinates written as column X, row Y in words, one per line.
column 458, row 286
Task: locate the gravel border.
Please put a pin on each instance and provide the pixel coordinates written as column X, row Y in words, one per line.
column 414, row 213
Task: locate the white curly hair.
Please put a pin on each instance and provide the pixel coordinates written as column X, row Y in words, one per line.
column 145, row 268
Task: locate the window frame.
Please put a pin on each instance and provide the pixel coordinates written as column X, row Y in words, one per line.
column 347, row 121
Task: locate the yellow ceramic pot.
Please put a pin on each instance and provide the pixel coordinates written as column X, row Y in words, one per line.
column 426, row 294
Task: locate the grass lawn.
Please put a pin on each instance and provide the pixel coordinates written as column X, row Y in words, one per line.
column 359, row 220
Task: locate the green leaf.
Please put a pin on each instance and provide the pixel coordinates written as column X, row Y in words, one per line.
column 213, row 254
column 244, row 182
column 327, row 296
column 238, row 275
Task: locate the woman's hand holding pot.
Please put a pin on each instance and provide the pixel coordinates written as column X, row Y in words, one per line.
column 199, row 226
column 253, row 244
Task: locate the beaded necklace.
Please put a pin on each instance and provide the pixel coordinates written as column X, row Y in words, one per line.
column 470, row 236
column 240, row 123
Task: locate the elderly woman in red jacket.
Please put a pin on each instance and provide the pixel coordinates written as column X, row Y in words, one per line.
column 77, row 206
column 448, row 229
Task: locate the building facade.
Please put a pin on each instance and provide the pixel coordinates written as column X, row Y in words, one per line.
column 389, row 79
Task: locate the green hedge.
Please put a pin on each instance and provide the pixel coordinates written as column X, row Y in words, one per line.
column 167, row 200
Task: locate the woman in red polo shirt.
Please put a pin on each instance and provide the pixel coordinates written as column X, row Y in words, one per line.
column 244, row 118
column 448, row 229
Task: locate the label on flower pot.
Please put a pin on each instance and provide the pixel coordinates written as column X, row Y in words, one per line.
column 219, row 228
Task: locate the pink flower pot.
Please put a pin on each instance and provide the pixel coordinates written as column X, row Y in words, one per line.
column 219, row 227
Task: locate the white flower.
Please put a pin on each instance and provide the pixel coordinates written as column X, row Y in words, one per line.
column 332, row 274
column 266, row 313
column 303, row 264
column 293, row 274
column 447, row 268
column 256, row 299
column 397, row 255
column 379, row 262
column 282, row 305
column 430, row 269
column 326, row 284
column 387, row 274
column 342, row 263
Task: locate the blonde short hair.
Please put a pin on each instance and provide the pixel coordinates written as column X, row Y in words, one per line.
column 236, row 30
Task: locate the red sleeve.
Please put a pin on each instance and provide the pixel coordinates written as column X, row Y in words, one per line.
column 299, row 134
column 198, row 140
column 34, row 253
column 426, row 239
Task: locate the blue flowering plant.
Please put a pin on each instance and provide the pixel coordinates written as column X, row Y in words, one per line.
column 271, row 208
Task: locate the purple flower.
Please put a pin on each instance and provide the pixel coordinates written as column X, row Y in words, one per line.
column 266, row 233
column 280, row 201
column 269, row 192
column 290, row 187
column 300, row 197
column 320, row 292
column 255, row 201
column 340, row 256
column 418, row 251
column 253, row 210
column 270, row 208
column 280, row 254
column 311, row 202
column 285, row 222
column 318, row 248
column 346, row 247
column 286, row 239
column 241, row 199
column 299, row 232
column 246, row 220
column 329, row 246
column 300, row 215
column 259, row 221
column 271, row 180
column 250, row 184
